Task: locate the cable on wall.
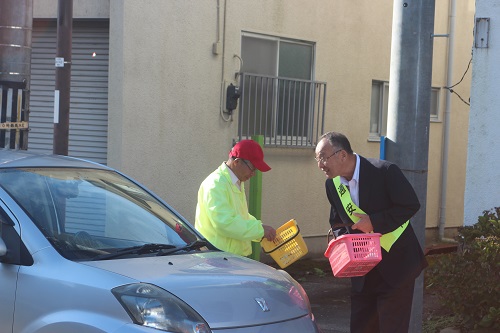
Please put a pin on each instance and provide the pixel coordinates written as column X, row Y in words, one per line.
column 451, row 88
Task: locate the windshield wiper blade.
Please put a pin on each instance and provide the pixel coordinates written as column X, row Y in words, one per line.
column 197, row 244
column 140, row 249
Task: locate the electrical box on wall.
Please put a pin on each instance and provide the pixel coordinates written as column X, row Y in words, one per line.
column 481, row 32
column 232, row 95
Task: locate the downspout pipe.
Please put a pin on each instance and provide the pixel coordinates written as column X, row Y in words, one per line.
column 223, row 60
column 446, row 130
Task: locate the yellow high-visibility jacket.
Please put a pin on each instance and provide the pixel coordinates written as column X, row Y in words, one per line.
column 222, row 214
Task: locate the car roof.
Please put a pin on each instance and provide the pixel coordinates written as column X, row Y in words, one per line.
column 26, row 159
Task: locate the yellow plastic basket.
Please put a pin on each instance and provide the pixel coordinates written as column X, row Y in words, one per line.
column 288, row 246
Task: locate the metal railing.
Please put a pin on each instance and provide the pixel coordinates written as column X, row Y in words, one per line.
column 287, row 112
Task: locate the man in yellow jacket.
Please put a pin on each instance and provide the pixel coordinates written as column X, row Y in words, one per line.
column 222, row 211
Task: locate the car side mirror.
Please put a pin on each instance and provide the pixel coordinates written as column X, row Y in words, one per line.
column 12, row 249
column 4, row 219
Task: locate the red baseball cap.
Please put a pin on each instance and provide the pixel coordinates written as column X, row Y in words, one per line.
column 251, row 151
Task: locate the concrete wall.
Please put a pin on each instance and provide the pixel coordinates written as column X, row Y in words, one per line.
column 483, row 160
column 165, row 85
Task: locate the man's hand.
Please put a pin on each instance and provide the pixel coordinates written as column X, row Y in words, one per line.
column 269, row 232
column 364, row 224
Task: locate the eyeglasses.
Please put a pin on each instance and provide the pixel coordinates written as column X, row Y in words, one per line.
column 323, row 160
column 248, row 165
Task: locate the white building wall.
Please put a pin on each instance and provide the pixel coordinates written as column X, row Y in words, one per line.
column 482, row 189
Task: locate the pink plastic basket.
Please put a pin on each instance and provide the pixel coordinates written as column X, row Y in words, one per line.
column 354, row 254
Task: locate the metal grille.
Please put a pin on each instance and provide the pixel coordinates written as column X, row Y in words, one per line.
column 89, row 89
column 287, row 112
column 13, row 115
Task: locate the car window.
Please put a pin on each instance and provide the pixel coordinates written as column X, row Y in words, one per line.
column 87, row 213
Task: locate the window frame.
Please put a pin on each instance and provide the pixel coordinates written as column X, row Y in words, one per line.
column 437, row 116
column 281, row 134
column 383, row 101
column 280, row 39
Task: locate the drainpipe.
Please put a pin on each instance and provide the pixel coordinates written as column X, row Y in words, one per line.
column 446, row 132
column 222, row 81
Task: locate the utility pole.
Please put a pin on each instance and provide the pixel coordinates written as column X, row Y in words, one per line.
column 409, row 110
column 63, row 76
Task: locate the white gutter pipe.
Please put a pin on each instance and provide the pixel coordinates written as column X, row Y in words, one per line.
column 446, row 130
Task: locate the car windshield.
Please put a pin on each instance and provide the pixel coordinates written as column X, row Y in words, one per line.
column 91, row 214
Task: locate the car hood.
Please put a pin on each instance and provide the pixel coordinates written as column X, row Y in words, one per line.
column 226, row 290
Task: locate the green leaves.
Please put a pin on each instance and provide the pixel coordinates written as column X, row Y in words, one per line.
column 468, row 281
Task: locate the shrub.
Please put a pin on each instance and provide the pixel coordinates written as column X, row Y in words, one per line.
column 487, row 225
column 468, row 281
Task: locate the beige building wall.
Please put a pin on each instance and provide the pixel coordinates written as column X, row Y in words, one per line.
column 165, row 86
column 453, row 178
column 459, row 113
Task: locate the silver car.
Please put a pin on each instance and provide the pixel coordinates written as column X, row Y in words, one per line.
column 84, row 248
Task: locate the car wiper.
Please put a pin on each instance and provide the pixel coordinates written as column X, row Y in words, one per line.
column 140, row 249
column 196, row 245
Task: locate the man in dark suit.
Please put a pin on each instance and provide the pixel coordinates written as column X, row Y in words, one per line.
column 381, row 300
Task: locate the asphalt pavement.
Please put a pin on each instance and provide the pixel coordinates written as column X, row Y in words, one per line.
column 329, row 296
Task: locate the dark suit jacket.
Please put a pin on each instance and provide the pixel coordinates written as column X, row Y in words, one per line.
column 389, row 199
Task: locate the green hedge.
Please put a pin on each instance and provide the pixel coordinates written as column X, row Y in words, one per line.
column 468, row 282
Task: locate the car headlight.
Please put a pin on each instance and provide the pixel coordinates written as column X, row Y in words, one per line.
column 151, row 306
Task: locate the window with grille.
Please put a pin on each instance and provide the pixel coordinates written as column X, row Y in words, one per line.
column 279, row 98
column 380, row 106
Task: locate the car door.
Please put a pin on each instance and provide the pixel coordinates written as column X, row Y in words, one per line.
column 8, row 275
column 8, row 278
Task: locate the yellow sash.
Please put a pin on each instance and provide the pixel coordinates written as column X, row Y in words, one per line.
column 387, row 240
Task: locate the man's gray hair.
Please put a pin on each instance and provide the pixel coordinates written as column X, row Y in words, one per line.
column 338, row 140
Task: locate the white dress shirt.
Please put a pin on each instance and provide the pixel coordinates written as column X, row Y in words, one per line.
column 234, row 179
column 353, row 183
